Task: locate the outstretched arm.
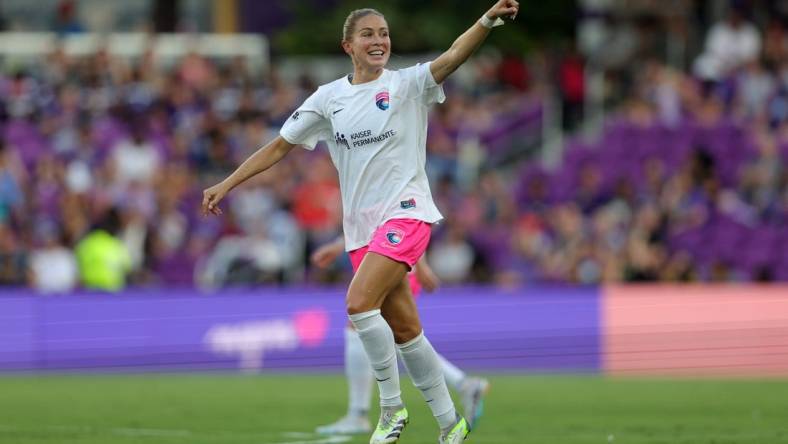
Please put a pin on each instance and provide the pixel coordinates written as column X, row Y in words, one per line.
column 258, row 162
column 466, row 44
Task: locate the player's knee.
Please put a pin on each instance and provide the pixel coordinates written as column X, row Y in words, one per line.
column 404, row 332
column 356, row 305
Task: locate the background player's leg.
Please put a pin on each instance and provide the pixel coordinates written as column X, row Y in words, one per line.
column 472, row 390
column 417, row 353
column 454, row 376
column 359, row 376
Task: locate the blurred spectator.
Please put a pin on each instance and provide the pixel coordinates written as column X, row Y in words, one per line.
column 729, row 44
column 760, row 183
column 195, row 71
column 513, row 72
column 79, row 176
column 775, row 42
column 103, row 259
column 571, row 74
column 242, row 260
column 259, row 214
column 756, row 88
column 135, row 160
column 53, row 267
column 66, row 19
column 663, row 92
column 452, row 257
column 679, row 268
column 11, row 176
column 13, row 258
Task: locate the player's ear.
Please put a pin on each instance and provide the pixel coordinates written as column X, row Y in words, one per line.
column 347, row 47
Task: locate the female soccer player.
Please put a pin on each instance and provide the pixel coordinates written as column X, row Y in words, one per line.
column 359, row 373
column 375, row 123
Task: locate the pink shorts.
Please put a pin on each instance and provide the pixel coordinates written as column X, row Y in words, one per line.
column 403, row 240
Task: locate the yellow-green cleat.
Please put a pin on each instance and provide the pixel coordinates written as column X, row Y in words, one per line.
column 457, row 434
column 390, row 426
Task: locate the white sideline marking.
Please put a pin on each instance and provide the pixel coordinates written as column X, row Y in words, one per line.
column 301, row 437
column 56, row 428
column 69, row 428
column 149, row 432
column 127, row 431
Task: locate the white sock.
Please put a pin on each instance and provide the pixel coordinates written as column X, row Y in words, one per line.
column 424, row 369
column 378, row 342
column 454, row 376
column 358, row 373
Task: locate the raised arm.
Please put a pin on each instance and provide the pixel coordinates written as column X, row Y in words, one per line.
column 258, row 162
column 466, row 44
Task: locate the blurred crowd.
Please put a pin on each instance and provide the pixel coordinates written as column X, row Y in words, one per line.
column 687, row 182
column 102, row 163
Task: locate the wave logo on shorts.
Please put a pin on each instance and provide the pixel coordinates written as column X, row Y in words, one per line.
column 394, row 236
column 382, row 100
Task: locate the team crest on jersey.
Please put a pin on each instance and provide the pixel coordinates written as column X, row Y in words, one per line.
column 395, row 236
column 382, row 100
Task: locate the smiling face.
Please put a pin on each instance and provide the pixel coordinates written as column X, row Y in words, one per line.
column 368, row 44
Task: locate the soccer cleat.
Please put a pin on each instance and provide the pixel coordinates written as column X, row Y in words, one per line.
column 472, row 393
column 389, row 426
column 347, row 425
column 457, row 434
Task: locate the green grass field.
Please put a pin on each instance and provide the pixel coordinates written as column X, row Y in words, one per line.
column 211, row 409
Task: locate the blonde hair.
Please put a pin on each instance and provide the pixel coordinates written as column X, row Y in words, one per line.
column 350, row 22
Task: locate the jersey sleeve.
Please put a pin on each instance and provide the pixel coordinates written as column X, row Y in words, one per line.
column 421, row 84
column 307, row 125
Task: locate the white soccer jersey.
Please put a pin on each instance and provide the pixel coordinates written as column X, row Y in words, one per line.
column 376, row 134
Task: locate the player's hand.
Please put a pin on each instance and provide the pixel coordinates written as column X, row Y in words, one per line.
column 427, row 278
column 211, row 198
column 327, row 254
column 504, row 8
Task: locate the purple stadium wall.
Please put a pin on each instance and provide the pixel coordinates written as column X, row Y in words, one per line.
column 271, row 329
column 627, row 330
